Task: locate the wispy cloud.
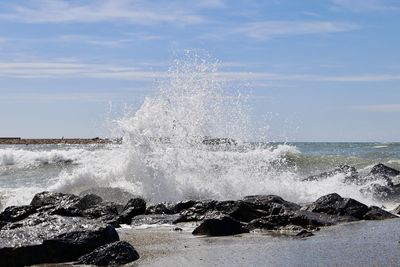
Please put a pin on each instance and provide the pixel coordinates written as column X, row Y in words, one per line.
column 269, row 29
column 141, row 72
column 367, row 5
column 61, row 11
column 378, row 108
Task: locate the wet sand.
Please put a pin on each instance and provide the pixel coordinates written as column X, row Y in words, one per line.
column 373, row 243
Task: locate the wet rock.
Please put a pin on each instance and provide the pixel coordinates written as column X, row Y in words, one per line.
column 304, row 233
column 239, row 210
column 197, row 212
column 334, row 204
column 220, row 226
column 271, row 203
column 382, row 192
column 154, row 219
column 104, row 211
column 134, row 207
column 350, row 174
column 110, row 194
column 44, row 238
column 376, row 213
column 16, row 213
column 161, row 208
column 271, row 222
column 56, row 203
column 381, row 169
column 113, row 254
column 88, row 201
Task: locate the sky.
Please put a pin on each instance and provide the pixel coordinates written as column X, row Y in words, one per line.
column 315, row 70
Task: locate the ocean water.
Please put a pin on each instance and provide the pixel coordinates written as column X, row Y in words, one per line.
column 163, row 158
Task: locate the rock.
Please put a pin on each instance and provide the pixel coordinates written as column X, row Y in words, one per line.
column 334, row 204
column 104, row 211
column 271, row 203
column 304, row 233
column 16, row 213
column 117, row 253
column 43, row 238
column 56, row 203
column 53, row 199
column 376, row 213
column 350, row 174
column 271, row 222
column 197, row 212
column 381, row 169
column 154, row 219
column 134, row 207
column 110, row 194
column 161, row 208
column 88, row 201
column 222, row 226
column 239, row 210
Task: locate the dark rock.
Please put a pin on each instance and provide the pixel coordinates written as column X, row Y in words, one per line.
column 382, row 192
column 161, row 208
column 376, row 213
column 197, row 212
column 239, row 210
column 350, row 174
column 154, row 219
column 271, row 203
column 104, row 211
column 43, row 238
column 334, row 204
column 53, row 199
column 271, row 222
column 16, row 213
column 134, row 207
column 222, row 226
column 88, row 201
column 381, row 169
column 304, row 233
column 110, row 194
column 116, row 253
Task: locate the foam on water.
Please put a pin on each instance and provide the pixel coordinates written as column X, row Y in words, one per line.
column 163, row 157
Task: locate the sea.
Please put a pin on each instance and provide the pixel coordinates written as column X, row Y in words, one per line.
column 163, row 156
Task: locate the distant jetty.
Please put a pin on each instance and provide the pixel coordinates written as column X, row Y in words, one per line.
column 49, row 141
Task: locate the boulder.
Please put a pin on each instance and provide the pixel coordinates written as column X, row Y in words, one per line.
column 88, row 201
column 16, row 213
column 220, row 226
column 44, row 238
column 350, row 174
column 376, row 213
column 104, row 211
column 154, row 219
column 381, row 169
column 110, row 194
column 271, row 203
column 56, row 203
column 197, row 212
column 239, row 210
column 134, row 207
column 334, row 204
column 117, row 253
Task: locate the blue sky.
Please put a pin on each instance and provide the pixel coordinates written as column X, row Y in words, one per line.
column 316, row 70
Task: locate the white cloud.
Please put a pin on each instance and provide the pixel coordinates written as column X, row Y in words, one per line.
column 61, row 11
column 378, row 108
column 145, row 72
column 269, row 29
column 367, row 5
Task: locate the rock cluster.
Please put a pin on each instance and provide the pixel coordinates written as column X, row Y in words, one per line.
column 59, row 227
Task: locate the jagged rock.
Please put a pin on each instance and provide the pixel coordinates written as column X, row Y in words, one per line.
column 381, row 169
column 88, row 201
column 134, row 207
column 271, row 203
column 104, row 211
column 48, row 199
column 220, row 226
column 376, row 213
column 334, row 204
column 110, row 194
column 161, row 208
column 350, row 174
column 116, row 253
column 197, row 212
column 239, row 210
column 271, row 222
column 154, row 219
column 16, row 213
column 43, row 238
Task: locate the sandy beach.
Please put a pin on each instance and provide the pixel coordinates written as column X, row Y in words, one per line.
column 373, row 243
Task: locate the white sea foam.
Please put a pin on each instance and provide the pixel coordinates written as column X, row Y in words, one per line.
column 163, row 158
